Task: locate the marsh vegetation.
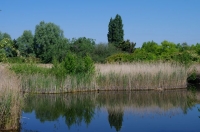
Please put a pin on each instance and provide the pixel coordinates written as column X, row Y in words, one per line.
column 10, row 100
column 127, row 76
column 47, row 63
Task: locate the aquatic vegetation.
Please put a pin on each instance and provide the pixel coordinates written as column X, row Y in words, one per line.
column 10, row 100
column 141, row 76
column 62, row 77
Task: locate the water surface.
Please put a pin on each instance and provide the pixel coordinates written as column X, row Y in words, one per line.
column 112, row 111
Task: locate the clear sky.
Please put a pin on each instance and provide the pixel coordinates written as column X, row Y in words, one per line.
column 177, row 21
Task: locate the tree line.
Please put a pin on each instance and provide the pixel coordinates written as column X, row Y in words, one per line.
column 48, row 43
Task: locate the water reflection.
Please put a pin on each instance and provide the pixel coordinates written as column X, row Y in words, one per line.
column 80, row 108
column 115, row 118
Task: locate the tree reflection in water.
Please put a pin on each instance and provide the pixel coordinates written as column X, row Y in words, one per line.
column 115, row 118
column 77, row 108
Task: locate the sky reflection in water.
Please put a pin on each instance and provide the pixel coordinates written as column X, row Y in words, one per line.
column 111, row 111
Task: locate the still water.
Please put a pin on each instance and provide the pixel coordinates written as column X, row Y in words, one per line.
column 112, row 111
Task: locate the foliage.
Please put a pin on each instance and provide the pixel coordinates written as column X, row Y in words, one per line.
column 4, row 35
column 59, row 52
column 192, row 75
column 82, row 46
column 6, row 48
column 25, row 44
column 120, row 57
column 47, row 36
column 21, row 59
column 151, row 47
column 72, row 64
column 16, row 60
column 166, row 51
column 127, row 46
column 49, row 43
column 115, row 31
column 102, row 51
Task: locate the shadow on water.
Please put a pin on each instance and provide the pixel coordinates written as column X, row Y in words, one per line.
column 80, row 108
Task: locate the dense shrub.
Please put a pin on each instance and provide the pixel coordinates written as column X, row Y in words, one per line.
column 73, row 64
column 121, row 57
column 102, row 51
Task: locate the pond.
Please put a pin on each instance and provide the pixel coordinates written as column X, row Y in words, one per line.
column 112, row 111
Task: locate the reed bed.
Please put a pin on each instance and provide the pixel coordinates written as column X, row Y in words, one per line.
column 9, row 100
column 141, row 76
column 134, row 76
column 39, row 83
column 195, row 69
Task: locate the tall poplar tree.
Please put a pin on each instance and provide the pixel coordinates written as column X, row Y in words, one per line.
column 115, row 31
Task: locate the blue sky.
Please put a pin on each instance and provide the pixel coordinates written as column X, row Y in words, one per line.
column 177, row 21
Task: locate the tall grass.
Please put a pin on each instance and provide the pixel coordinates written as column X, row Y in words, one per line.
column 38, row 83
column 9, row 100
column 141, row 76
column 135, row 76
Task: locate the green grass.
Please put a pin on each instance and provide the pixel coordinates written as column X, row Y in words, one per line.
column 27, row 68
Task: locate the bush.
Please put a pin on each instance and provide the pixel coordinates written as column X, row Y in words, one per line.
column 121, row 57
column 73, row 64
column 102, row 51
column 23, row 60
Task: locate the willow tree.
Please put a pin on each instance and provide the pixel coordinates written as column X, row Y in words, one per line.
column 47, row 36
column 25, row 43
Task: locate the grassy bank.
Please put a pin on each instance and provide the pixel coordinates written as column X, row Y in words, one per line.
column 10, row 100
column 134, row 76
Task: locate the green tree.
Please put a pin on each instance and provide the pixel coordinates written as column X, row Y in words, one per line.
column 60, row 50
column 196, row 48
column 110, row 31
column 47, row 36
column 168, row 50
column 25, row 44
column 82, row 46
column 127, row 46
column 4, row 35
column 102, row 51
column 6, row 45
column 115, row 31
column 151, row 47
column 168, row 47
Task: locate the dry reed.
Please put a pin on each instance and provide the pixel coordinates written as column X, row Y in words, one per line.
column 140, row 76
column 135, row 76
column 9, row 100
